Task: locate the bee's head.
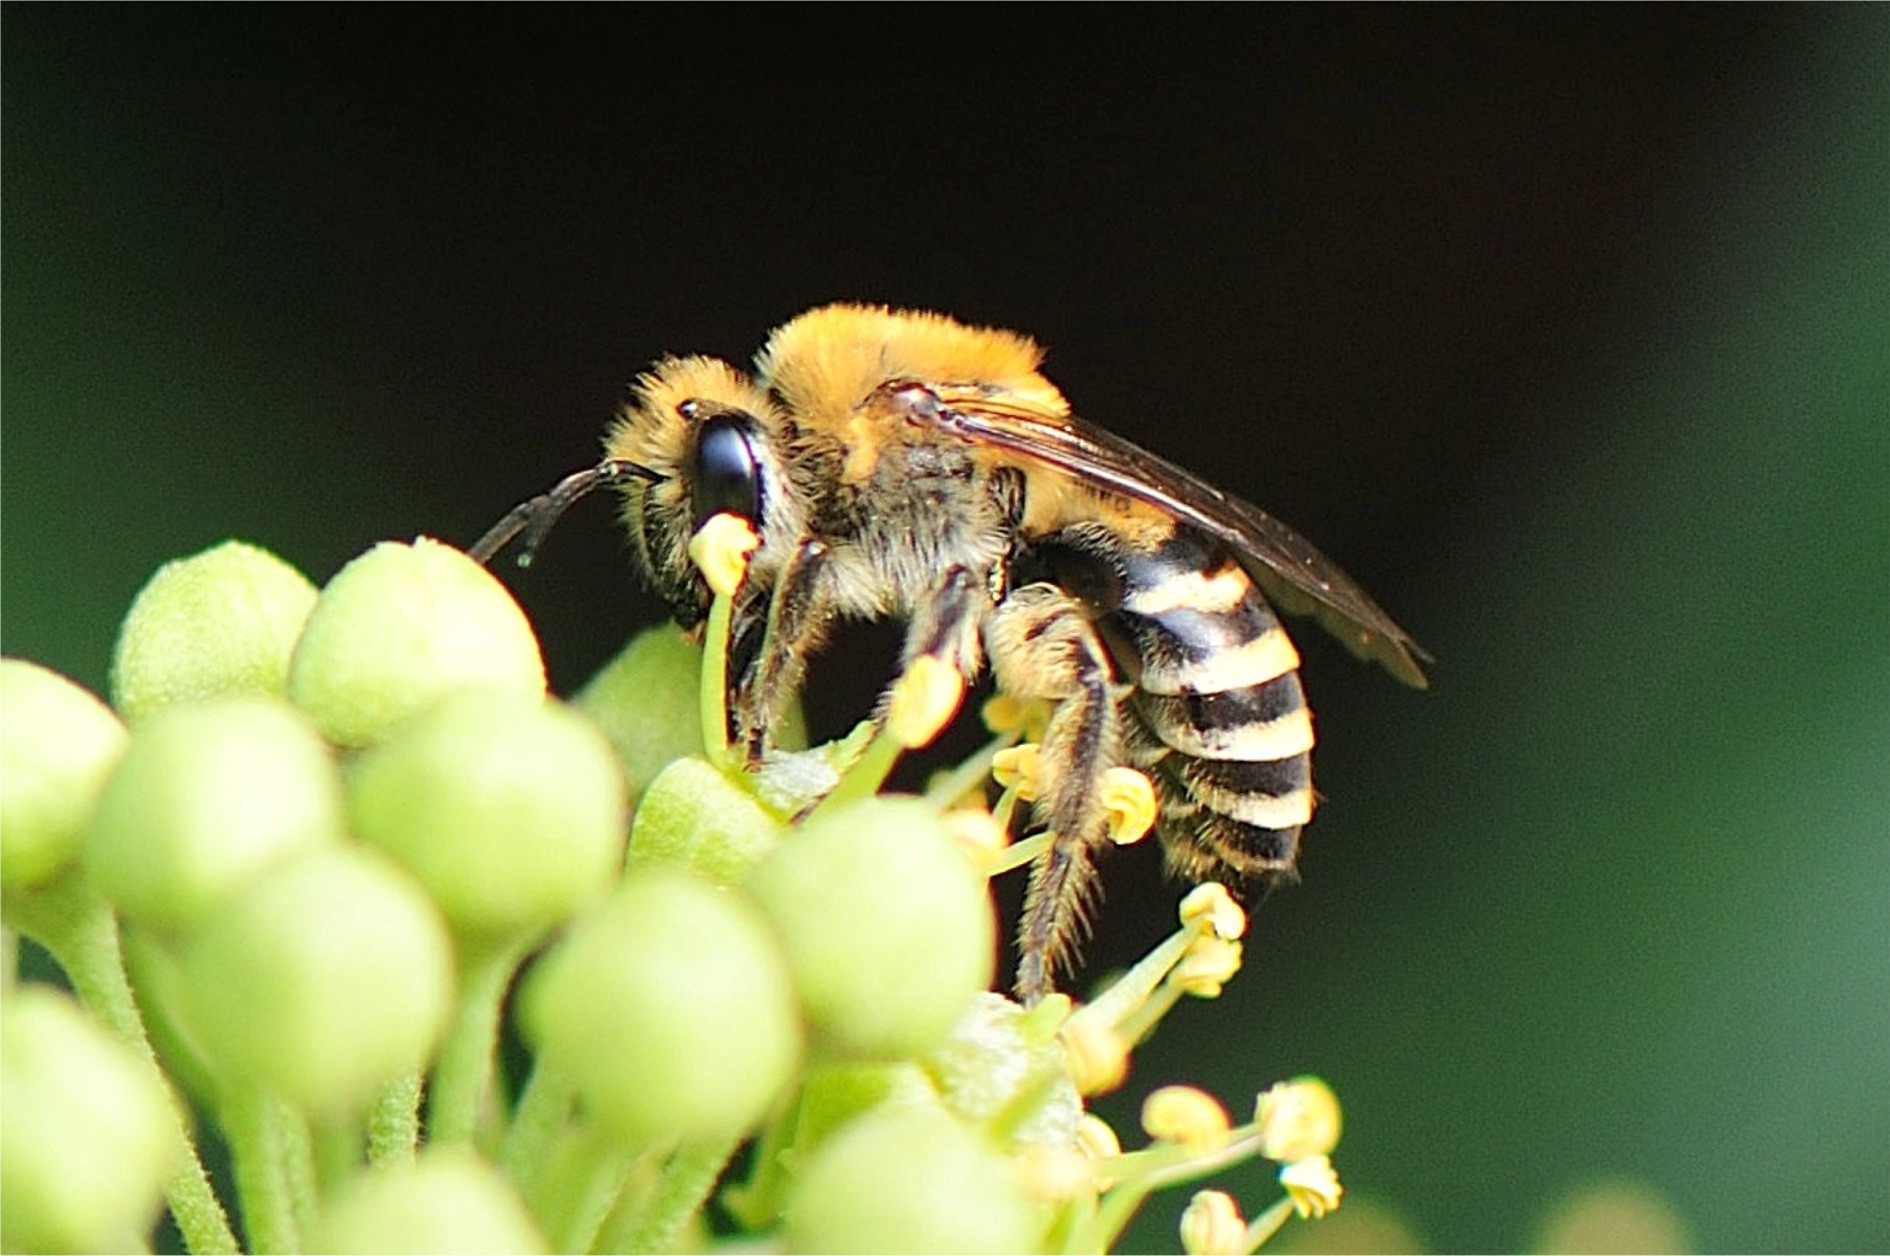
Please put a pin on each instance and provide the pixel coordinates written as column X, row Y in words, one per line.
column 711, row 440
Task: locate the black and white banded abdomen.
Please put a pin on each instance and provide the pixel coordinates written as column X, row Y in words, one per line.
column 1218, row 717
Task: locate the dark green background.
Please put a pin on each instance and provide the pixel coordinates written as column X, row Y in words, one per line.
column 1565, row 330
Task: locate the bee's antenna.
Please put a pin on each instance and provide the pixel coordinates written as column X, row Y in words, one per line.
column 535, row 517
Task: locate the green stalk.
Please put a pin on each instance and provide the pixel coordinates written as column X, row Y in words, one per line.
column 462, row 1081
column 79, row 931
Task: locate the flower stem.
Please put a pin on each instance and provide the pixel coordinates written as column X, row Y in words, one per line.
column 538, row 1119
column 255, row 1126
column 79, row 931
column 394, row 1124
column 685, row 1184
column 462, row 1081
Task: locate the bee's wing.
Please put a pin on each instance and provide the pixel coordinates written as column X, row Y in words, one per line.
column 1295, row 576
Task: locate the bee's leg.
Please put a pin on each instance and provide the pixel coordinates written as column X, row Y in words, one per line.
column 1042, row 646
column 768, row 669
column 946, row 624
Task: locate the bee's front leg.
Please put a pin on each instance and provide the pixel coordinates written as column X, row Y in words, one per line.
column 768, row 652
column 1043, row 646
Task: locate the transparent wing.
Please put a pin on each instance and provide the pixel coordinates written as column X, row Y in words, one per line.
column 1295, row 576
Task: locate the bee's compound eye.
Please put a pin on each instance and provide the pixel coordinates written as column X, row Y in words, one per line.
column 916, row 402
column 728, row 472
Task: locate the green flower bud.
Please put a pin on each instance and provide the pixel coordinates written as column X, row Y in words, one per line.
column 888, row 928
column 670, row 1010
column 223, row 621
column 645, row 700
column 87, row 1134
column 910, row 1179
column 206, row 797
column 399, row 628
column 448, row 1200
column 694, row 815
column 330, row 977
column 58, row 744
column 508, row 808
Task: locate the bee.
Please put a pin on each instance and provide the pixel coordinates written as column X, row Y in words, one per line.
column 900, row 464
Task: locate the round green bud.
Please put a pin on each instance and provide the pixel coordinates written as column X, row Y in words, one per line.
column 206, row 797
column 695, row 816
column 400, row 627
column 645, row 701
column 58, row 744
column 87, row 1134
column 670, row 1010
column 910, row 1179
column 508, row 808
column 223, row 621
column 328, row 978
column 447, row 1200
column 887, row 926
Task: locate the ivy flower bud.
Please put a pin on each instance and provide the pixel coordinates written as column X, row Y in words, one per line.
column 208, row 797
column 1297, row 1119
column 1211, row 908
column 1185, row 1115
column 923, row 701
column 327, row 978
column 1312, row 1185
column 399, row 628
column 888, row 928
column 87, row 1135
column 58, row 745
column 645, row 701
column 1211, row 1225
column 694, row 816
column 670, row 1009
column 223, row 621
column 509, row 808
column 1130, row 801
column 720, row 548
column 448, row 1200
column 910, row 1178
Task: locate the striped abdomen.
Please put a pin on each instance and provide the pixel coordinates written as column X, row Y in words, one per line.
column 1219, row 718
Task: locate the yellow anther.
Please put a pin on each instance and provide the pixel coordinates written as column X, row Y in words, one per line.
column 1211, row 1225
column 1210, row 963
column 977, row 833
column 1054, row 1173
column 1186, row 1115
column 1020, row 768
column 924, row 699
column 721, row 548
column 1313, row 1186
column 1210, row 908
column 1005, row 713
column 1297, row 1119
column 1096, row 1138
column 1097, row 1141
column 1097, row 1056
column 1130, row 801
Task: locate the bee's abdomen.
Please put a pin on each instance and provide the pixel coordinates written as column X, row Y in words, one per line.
column 1221, row 720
